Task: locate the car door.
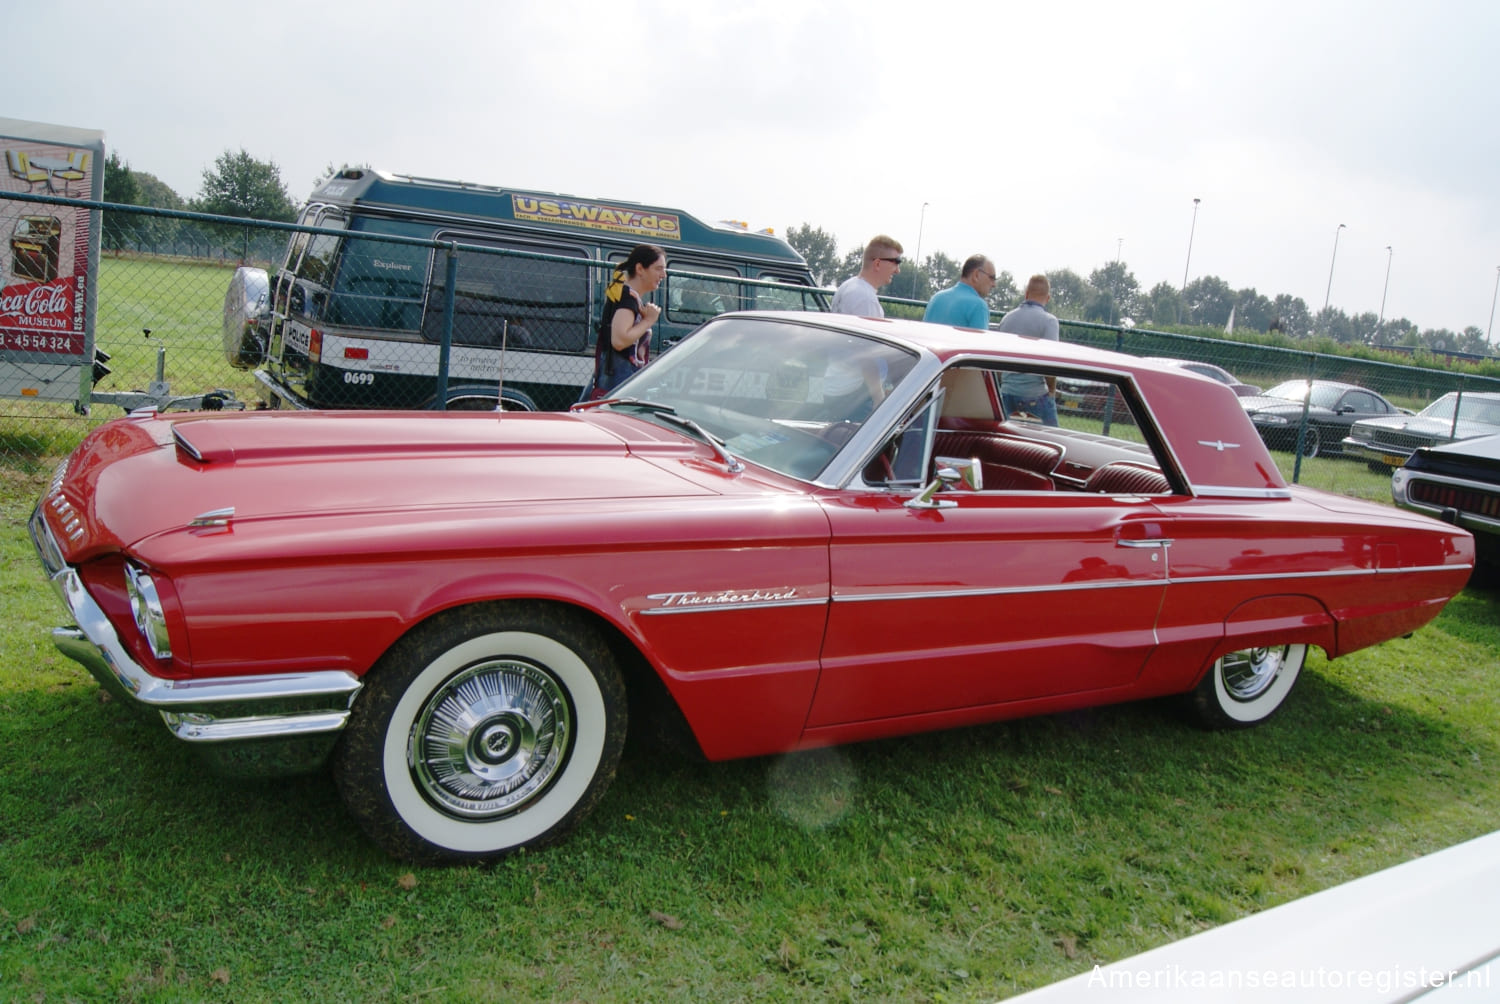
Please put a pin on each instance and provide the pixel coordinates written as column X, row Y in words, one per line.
column 1001, row 596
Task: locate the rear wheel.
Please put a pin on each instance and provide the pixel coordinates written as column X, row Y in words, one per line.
column 488, row 729
column 1245, row 688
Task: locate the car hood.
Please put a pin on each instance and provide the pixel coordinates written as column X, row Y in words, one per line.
column 1261, row 403
column 137, row 478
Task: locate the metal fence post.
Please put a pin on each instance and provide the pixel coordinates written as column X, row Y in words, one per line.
column 445, row 348
column 1312, row 372
column 1458, row 405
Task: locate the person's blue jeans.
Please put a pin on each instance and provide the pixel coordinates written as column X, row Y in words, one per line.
column 1044, row 407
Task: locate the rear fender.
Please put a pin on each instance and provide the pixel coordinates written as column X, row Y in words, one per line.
column 1277, row 620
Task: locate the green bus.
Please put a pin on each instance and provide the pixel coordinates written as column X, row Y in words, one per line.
column 357, row 314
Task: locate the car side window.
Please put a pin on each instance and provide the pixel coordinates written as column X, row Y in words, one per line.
column 905, row 458
column 1102, row 451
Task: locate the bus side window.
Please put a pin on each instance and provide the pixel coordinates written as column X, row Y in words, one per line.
column 795, row 295
column 693, row 299
column 544, row 303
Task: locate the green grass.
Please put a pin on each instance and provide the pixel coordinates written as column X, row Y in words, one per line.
column 959, row 866
column 1343, row 476
column 182, row 305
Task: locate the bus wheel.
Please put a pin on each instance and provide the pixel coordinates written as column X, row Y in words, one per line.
column 487, row 401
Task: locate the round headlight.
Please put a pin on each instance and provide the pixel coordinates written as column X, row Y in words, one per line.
column 145, row 607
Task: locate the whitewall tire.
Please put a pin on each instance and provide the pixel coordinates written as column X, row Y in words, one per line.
column 488, row 729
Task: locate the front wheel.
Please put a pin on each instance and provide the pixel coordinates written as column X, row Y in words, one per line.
column 488, row 729
column 1310, row 442
column 1245, row 688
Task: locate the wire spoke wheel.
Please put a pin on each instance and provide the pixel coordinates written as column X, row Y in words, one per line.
column 1245, row 687
column 1249, row 672
column 485, row 730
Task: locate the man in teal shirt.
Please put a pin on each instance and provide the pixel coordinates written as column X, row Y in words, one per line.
column 963, row 304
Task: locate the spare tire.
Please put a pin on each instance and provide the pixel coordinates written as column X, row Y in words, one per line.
column 247, row 311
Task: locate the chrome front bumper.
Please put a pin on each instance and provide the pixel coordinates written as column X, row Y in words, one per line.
column 243, row 725
column 1388, row 456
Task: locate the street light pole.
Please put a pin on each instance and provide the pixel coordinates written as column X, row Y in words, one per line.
column 920, row 224
column 1492, row 304
column 1388, row 253
column 1329, row 292
column 1119, row 244
column 1191, row 231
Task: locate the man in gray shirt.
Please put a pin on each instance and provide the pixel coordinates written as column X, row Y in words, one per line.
column 1031, row 392
column 858, row 294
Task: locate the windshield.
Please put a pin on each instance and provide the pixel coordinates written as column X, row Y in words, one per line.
column 783, row 395
column 1474, row 409
column 1323, row 395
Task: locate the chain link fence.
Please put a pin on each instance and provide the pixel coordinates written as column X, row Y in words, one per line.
column 1338, row 422
column 391, row 320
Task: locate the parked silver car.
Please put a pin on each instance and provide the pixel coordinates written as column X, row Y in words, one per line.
column 1388, row 442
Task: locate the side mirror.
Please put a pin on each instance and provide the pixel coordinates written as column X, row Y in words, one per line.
column 951, row 473
column 965, row 473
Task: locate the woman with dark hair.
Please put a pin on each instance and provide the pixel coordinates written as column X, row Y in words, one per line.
column 625, row 329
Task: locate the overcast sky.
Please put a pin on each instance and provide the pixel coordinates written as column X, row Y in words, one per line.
column 1048, row 136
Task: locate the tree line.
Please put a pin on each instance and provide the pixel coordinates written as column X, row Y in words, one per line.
column 236, row 185
column 240, row 185
column 1111, row 294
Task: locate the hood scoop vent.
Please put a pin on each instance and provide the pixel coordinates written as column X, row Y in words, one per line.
column 214, row 517
column 184, row 445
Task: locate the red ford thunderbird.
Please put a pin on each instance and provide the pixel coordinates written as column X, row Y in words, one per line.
column 791, row 530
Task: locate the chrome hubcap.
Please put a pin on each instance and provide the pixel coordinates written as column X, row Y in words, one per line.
column 1248, row 672
column 491, row 739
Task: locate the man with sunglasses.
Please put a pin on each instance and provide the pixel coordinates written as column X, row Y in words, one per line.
column 963, row 304
column 858, row 294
